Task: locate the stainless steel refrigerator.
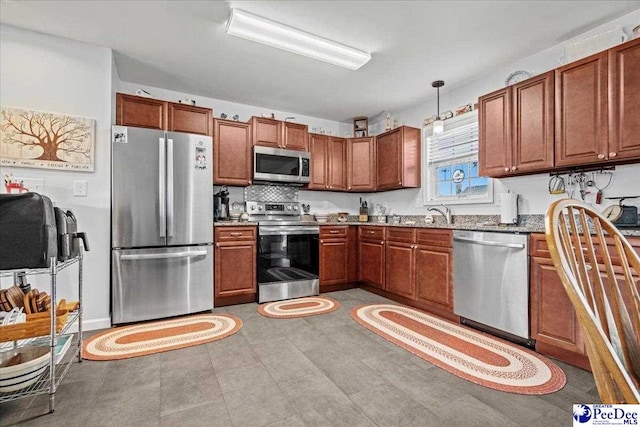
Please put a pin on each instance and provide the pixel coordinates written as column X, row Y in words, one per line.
column 162, row 224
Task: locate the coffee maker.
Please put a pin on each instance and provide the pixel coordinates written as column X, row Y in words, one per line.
column 221, row 204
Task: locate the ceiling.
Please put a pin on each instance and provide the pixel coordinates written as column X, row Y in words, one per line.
column 182, row 46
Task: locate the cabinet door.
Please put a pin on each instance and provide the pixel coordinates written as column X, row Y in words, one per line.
column 581, row 112
column 400, row 263
column 318, row 148
column 140, row 112
column 296, row 136
column 494, row 138
column 361, row 164
column 231, row 153
column 337, row 151
column 553, row 319
column 333, row 261
column 433, row 268
column 624, row 101
column 189, row 119
column 235, row 268
column 372, row 263
column 389, row 164
column 266, row 132
column 533, row 136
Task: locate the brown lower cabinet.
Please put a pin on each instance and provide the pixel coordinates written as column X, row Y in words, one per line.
column 337, row 257
column 234, row 265
column 554, row 324
column 371, row 256
column 411, row 265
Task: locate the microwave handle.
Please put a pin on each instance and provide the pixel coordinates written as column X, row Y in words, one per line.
column 300, row 167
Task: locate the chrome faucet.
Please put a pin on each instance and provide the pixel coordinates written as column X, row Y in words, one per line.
column 446, row 213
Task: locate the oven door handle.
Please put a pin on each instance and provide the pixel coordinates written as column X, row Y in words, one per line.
column 285, row 230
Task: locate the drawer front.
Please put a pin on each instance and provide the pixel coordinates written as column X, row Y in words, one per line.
column 332, row 232
column 225, row 234
column 401, row 234
column 443, row 238
column 538, row 247
column 371, row 233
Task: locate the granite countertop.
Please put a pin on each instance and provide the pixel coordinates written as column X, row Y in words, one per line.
column 526, row 224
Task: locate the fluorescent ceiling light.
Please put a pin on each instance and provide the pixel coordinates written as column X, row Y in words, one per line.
column 255, row 28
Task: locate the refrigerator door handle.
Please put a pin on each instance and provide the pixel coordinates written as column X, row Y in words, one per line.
column 162, row 180
column 187, row 254
column 170, row 216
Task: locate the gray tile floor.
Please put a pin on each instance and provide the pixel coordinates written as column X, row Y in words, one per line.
column 323, row 370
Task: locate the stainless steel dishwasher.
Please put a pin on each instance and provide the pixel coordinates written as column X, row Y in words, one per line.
column 491, row 282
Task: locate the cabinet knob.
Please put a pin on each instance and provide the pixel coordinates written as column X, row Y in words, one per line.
column 217, row 245
column 399, row 182
column 601, row 156
column 348, row 188
column 514, row 168
column 506, row 169
column 382, row 243
column 612, row 154
column 321, row 241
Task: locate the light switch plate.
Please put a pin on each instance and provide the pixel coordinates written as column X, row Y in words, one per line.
column 79, row 188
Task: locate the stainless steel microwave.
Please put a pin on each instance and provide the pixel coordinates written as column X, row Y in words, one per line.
column 279, row 165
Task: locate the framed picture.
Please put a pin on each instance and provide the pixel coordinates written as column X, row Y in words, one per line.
column 361, row 127
column 36, row 139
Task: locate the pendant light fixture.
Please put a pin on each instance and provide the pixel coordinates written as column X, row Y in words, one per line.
column 438, row 124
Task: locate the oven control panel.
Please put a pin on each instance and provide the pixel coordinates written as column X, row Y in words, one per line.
column 273, row 208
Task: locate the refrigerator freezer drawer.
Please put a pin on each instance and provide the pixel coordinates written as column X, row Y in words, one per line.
column 161, row 282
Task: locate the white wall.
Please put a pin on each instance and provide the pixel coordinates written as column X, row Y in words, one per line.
column 52, row 74
column 533, row 189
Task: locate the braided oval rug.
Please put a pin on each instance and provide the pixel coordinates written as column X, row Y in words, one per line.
column 300, row 307
column 146, row 338
column 467, row 353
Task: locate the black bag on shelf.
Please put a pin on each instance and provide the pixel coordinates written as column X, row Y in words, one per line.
column 28, row 234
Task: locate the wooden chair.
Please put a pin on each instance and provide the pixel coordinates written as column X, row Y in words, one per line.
column 602, row 282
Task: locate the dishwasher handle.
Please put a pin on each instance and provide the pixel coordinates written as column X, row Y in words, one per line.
column 490, row 243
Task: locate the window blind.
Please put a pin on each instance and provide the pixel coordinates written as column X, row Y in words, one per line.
column 455, row 144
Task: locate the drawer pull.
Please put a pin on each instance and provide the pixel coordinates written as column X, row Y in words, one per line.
column 334, row 231
column 236, row 233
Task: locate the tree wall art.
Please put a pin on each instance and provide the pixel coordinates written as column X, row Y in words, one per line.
column 37, row 139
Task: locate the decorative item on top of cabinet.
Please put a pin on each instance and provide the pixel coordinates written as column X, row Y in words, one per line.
column 235, row 264
column 361, row 127
column 398, row 159
column 231, row 153
column 516, row 128
column 361, row 164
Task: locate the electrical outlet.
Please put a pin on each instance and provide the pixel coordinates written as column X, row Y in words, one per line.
column 325, row 204
column 79, row 188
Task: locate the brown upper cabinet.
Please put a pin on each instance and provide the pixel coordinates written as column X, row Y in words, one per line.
column 361, row 164
column 581, row 112
column 276, row 134
column 231, row 153
column 189, row 119
column 266, row 132
column 295, row 136
column 328, row 158
column 516, row 128
column 139, row 111
column 150, row 113
column 624, row 100
column 398, row 158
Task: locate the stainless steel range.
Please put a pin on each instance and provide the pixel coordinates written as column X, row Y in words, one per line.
column 288, row 251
